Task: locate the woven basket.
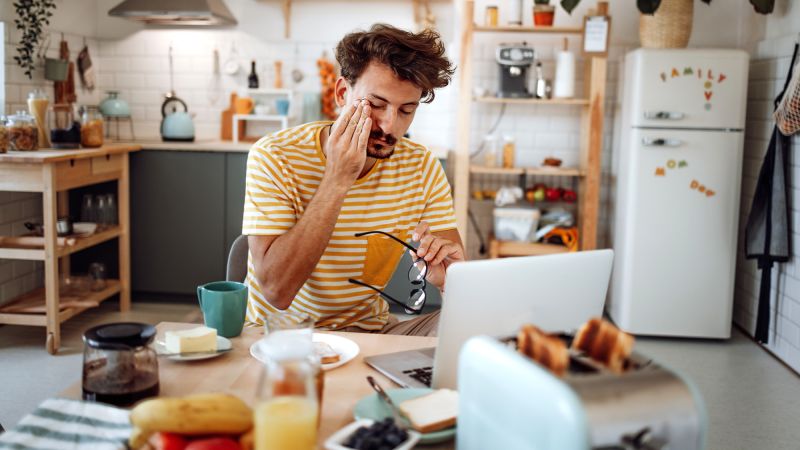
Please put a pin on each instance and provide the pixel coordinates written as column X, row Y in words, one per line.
column 669, row 27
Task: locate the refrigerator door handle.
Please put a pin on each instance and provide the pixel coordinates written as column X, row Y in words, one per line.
column 663, row 115
column 661, row 142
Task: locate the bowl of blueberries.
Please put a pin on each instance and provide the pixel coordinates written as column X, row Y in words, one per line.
column 367, row 434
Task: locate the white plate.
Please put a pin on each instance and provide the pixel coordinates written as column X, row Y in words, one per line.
column 346, row 349
column 223, row 346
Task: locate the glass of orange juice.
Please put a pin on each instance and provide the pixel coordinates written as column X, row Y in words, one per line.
column 287, row 408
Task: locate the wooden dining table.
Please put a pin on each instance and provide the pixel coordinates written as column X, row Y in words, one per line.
column 237, row 372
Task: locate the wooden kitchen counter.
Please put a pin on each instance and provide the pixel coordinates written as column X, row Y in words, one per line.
column 53, row 173
column 237, row 372
column 51, row 155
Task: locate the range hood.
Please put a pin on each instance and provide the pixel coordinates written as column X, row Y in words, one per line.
column 175, row 12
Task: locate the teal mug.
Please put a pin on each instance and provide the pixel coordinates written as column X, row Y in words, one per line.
column 224, row 304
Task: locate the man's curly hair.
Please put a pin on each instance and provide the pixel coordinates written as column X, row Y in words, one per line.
column 415, row 57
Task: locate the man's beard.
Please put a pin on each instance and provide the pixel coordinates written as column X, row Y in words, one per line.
column 381, row 151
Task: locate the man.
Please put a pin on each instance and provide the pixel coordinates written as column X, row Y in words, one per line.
column 311, row 189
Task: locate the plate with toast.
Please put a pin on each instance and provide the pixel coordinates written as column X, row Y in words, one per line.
column 333, row 351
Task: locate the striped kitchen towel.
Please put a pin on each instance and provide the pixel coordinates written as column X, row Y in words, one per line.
column 70, row 424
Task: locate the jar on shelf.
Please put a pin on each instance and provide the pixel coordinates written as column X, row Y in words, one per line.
column 3, row 135
column 491, row 16
column 91, row 127
column 509, row 150
column 492, row 150
column 22, row 132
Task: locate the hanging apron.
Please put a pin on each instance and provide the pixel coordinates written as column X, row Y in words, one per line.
column 767, row 232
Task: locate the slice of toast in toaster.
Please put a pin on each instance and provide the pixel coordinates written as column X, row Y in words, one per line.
column 603, row 342
column 549, row 351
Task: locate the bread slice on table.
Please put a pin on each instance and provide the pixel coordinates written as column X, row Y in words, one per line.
column 549, row 351
column 604, row 343
column 432, row 412
column 326, row 353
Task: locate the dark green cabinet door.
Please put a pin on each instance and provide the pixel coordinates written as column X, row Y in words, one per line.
column 177, row 220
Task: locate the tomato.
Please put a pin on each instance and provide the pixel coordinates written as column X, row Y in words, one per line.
column 169, row 441
column 214, row 444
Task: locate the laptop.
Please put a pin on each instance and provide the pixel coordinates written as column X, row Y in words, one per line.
column 557, row 293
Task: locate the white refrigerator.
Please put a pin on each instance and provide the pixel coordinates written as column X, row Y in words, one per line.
column 677, row 184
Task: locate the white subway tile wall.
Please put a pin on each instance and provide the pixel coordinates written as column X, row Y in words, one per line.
column 768, row 68
column 138, row 67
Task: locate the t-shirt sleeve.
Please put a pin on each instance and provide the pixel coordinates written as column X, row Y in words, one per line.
column 438, row 212
column 268, row 206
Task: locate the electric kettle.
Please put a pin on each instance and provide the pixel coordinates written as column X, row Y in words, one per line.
column 176, row 125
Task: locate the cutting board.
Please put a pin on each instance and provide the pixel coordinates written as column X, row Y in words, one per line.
column 226, row 127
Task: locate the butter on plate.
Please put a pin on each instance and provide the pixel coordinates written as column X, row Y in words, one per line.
column 200, row 339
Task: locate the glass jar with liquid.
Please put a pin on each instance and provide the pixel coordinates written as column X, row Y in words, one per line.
column 287, row 410
column 120, row 367
column 37, row 106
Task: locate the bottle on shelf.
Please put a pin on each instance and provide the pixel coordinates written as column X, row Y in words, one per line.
column 509, row 150
column 252, row 79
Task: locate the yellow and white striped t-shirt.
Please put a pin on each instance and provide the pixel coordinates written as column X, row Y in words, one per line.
column 284, row 171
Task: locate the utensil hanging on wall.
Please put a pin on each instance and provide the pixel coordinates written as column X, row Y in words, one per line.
column 85, row 68
column 215, row 85
column 65, row 90
column 278, row 75
column 232, row 63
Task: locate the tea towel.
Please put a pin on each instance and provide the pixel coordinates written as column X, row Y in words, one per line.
column 59, row 423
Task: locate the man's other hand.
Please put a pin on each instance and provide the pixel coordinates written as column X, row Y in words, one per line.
column 438, row 250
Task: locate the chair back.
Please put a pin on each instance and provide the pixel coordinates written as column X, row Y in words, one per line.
column 236, row 269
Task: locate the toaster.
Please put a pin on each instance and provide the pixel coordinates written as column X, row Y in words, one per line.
column 508, row 401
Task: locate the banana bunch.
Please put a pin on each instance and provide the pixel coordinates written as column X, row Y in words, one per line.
column 192, row 415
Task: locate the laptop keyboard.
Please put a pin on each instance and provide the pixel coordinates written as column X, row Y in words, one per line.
column 423, row 375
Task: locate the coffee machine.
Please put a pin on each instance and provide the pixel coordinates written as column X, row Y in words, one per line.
column 514, row 61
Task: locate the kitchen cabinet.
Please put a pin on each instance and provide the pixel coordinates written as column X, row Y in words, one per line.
column 178, row 220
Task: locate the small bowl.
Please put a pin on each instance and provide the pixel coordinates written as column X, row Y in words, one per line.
column 336, row 441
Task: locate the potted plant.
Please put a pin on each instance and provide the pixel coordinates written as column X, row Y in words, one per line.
column 543, row 13
column 32, row 17
column 668, row 23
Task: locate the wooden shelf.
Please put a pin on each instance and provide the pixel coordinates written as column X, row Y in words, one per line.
column 590, row 111
column 534, row 101
column 499, row 249
column 480, row 170
column 538, row 171
column 36, row 252
column 30, row 309
column 521, row 29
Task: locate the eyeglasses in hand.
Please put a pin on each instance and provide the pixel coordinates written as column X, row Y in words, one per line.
column 416, row 276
